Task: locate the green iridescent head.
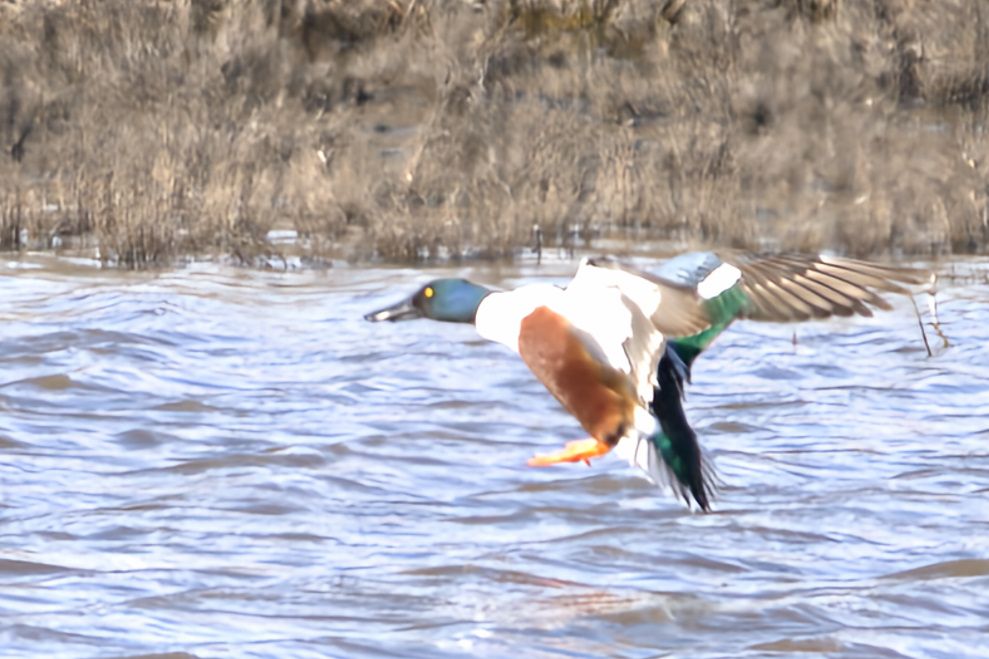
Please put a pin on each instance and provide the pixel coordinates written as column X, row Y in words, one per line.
column 449, row 300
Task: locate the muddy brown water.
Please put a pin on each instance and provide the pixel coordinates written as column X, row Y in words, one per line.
column 225, row 462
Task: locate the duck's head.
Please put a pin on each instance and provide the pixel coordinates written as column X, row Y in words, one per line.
column 450, row 300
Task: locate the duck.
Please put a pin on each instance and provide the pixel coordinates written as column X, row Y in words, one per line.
column 616, row 345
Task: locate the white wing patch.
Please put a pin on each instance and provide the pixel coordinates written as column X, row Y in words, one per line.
column 620, row 321
column 644, row 294
column 718, row 281
column 643, row 347
column 605, row 321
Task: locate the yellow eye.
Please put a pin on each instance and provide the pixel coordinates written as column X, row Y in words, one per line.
column 429, row 292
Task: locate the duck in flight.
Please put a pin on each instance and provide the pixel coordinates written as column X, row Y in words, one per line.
column 616, row 345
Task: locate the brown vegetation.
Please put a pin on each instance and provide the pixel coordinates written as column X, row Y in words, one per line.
column 408, row 129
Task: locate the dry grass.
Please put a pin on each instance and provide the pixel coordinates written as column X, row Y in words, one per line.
column 410, row 129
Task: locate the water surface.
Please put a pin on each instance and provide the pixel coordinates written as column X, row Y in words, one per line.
column 227, row 462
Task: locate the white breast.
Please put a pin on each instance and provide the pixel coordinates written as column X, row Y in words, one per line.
column 499, row 317
column 599, row 315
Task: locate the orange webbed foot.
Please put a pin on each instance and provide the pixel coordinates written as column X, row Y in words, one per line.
column 581, row 450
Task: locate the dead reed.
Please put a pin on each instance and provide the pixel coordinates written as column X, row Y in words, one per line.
column 411, row 129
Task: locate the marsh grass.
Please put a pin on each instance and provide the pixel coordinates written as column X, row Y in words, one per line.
column 151, row 130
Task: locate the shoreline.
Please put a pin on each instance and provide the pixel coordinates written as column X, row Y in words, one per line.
column 409, row 134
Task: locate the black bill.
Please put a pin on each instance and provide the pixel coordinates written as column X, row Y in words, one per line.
column 404, row 310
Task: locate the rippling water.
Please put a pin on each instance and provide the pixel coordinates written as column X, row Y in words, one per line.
column 232, row 463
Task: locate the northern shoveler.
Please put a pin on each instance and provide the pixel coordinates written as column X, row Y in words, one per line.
column 616, row 345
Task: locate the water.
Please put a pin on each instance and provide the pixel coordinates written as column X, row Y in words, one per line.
column 228, row 462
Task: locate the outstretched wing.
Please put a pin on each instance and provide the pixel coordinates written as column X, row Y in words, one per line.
column 781, row 288
column 793, row 288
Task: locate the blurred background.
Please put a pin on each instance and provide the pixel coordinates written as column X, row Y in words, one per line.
column 421, row 129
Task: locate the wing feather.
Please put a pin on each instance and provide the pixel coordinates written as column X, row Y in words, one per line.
column 797, row 287
column 674, row 309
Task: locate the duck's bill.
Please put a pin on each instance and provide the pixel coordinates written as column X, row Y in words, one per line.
column 401, row 311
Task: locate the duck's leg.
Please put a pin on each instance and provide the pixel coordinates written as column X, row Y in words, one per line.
column 576, row 451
